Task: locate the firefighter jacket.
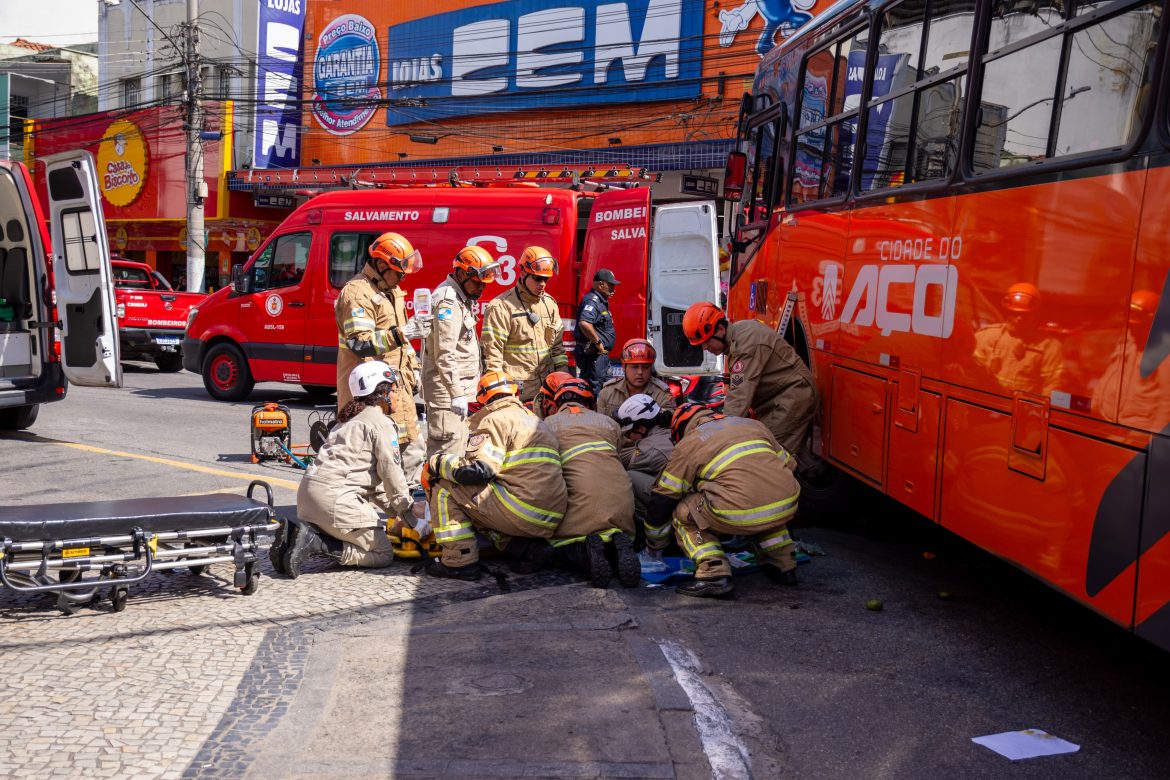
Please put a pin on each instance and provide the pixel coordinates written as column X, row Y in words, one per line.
column 515, row 456
column 523, row 335
column 451, row 359
column 766, row 374
column 600, row 494
column 368, row 313
column 358, row 466
column 1033, row 366
column 616, row 392
column 745, row 477
column 650, row 454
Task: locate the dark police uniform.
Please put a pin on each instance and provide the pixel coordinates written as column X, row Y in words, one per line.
column 593, row 366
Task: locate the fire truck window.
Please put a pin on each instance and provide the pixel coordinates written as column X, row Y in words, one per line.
column 347, row 255
column 131, row 277
column 1107, row 82
column 282, row 263
column 1016, row 106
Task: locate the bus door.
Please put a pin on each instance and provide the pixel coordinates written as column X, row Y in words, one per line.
column 274, row 308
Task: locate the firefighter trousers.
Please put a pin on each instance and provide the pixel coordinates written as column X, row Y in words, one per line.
column 695, row 528
column 458, row 511
column 446, row 433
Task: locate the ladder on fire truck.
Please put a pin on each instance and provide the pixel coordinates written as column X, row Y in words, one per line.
column 602, row 175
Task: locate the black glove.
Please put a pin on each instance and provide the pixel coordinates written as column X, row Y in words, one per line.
column 361, row 347
column 475, row 473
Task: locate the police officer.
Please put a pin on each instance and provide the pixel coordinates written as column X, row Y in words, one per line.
column 358, row 468
column 508, row 483
column 601, row 501
column 766, row 374
column 638, row 357
column 451, row 357
column 594, row 332
column 726, row 475
column 372, row 324
column 646, row 448
column 522, row 331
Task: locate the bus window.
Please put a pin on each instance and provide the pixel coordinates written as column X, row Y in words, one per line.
column 1019, row 87
column 347, row 255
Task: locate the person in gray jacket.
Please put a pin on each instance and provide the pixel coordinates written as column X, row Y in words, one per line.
column 357, row 472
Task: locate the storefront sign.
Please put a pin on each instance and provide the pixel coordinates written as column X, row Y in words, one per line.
column 122, row 160
column 522, row 54
column 700, row 185
column 279, row 41
column 345, row 75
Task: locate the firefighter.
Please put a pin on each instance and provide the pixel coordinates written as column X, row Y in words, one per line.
column 522, row 332
column 1016, row 352
column 508, row 483
column 358, row 469
column 638, row 357
column 372, row 324
column 600, row 513
column 767, row 377
column 726, row 475
column 451, row 357
column 594, row 334
column 645, row 450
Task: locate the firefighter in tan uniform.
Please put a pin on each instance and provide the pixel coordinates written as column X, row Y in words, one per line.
column 451, row 357
column 766, row 376
column 357, row 471
column 1016, row 352
column 508, row 483
column 645, row 450
column 601, row 499
column 726, row 475
column 372, row 324
column 522, row 330
column 638, row 357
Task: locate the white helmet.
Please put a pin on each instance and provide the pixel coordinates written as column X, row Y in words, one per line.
column 637, row 408
column 367, row 376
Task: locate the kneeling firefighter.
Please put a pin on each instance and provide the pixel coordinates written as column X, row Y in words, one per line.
column 357, row 471
column 601, row 500
column 508, row 484
column 727, row 475
column 646, row 448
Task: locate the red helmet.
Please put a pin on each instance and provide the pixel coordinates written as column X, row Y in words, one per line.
column 476, row 261
column 1022, row 297
column 1143, row 302
column 573, row 389
column 396, row 252
column 494, row 384
column 548, row 390
column 538, row 261
column 683, row 416
column 700, row 321
column 638, row 351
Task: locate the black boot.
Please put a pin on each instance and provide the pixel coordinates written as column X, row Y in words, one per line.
column 786, row 578
column 469, row 573
column 627, row 567
column 279, row 547
column 527, row 555
column 713, row 588
column 304, row 542
column 599, row 571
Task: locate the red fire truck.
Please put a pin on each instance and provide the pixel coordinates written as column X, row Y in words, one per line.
column 276, row 323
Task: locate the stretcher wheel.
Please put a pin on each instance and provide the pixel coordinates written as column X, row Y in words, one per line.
column 119, row 597
column 253, row 579
column 195, row 570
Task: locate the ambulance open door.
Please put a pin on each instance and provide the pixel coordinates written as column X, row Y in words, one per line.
column 81, row 271
column 684, row 269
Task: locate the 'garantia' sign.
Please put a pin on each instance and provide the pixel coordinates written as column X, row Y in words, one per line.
column 345, row 75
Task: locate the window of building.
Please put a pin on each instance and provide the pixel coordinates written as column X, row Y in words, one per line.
column 282, row 263
column 131, row 92
column 347, row 255
column 223, row 83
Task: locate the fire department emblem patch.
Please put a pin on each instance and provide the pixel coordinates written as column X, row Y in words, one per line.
column 476, row 440
column 738, row 367
column 274, row 305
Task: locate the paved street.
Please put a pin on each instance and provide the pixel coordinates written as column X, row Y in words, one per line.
column 357, row 673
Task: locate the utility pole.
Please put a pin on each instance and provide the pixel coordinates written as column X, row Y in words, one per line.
column 196, row 186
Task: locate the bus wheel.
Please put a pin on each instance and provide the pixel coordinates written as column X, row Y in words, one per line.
column 17, row 418
column 825, row 490
column 169, row 362
column 319, row 392
column 226, row 374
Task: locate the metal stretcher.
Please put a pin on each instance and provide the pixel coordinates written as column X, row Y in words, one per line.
column 76, row 550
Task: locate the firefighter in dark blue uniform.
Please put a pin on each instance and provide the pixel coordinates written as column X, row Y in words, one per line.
column 594, row 331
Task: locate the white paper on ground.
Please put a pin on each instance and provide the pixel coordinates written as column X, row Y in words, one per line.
column 1029, row 743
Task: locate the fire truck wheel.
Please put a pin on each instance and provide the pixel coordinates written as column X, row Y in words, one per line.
column 226, row 374
column 319, row 392
column 169, row 362
column 17, row 418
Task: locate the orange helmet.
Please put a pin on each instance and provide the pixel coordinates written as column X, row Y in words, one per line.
column 1143, row 302
column 1022, row 297
column 548, row 389
column 396, row 252
column 683, row 416
column 538, row 261
column 573, row 389
column 700, row 321
column 476, row 261
column 638, row 351
column 494, row 384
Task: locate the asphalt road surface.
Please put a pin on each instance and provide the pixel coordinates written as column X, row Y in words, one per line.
column 344, row 673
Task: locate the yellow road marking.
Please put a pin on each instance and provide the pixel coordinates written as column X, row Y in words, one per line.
column 285, row 483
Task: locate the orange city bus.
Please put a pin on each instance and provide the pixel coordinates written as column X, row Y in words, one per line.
column 970, row 200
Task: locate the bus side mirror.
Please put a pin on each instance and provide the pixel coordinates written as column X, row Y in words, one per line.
column 734, row 176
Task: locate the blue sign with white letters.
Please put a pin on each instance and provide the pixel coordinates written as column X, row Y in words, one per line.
column 525, row 54
column 279, row 48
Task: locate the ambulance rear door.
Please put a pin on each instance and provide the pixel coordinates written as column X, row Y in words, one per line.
column 618, row 239
column 684, row 269
column 81, row 271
